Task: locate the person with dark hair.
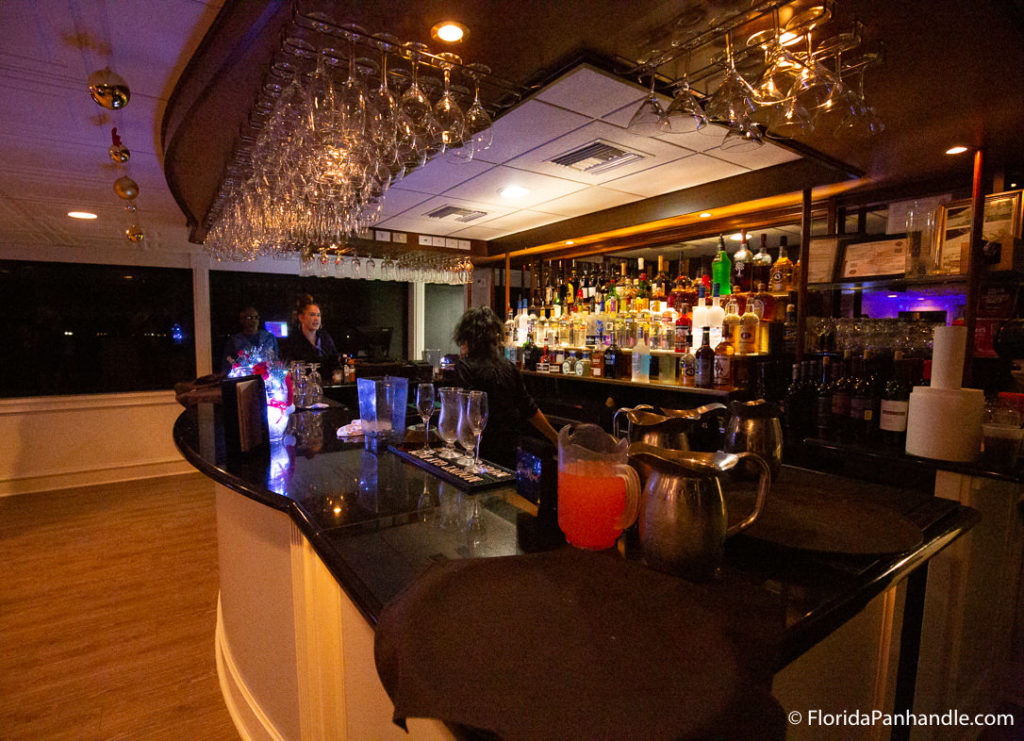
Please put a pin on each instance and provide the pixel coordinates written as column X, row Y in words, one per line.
column 310, row 343
column 482, row 367
column 251, row 339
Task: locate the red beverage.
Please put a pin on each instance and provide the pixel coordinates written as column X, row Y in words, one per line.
column 590, row 509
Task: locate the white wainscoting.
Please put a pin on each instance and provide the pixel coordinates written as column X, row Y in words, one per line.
column 55, row 442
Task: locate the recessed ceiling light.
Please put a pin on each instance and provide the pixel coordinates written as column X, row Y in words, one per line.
column 893, row 295
column 958, row 149
column 706, row 215
column 569, row 241
column 81, row 215
column 1013, row 185
column 449, row 31
column 513, row 191
column 737, row 237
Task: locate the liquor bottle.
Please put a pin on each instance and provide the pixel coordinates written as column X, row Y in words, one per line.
column 721, row 269
column 761, row 265
column 641, row 361
column 716, row 315
column 700, row 312
column 544, row 364
column 688, row 367
column 681, row 285
column 748, row 331
column 789, row 337
column 611, row 355
column 597, row 363
column 659, row 287
column 704, row 375
column 781, row 279
column 895, row 403
column 742, row 266
column 723, row 372
column 684, row 327
column 823, row 401
column 731, row 322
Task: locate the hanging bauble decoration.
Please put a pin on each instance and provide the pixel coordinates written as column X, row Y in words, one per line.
column 118, row 151
column 109, row 89
column 126, row 188
column 134, row 233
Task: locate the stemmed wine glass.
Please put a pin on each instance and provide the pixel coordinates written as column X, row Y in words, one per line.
column 425, row 406
column 466, row 435
column 475, row 412
column 448, row 422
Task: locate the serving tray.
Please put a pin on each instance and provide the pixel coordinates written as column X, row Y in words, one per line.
column 428, row 460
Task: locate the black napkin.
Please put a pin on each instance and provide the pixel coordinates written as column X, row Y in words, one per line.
column 574, row 644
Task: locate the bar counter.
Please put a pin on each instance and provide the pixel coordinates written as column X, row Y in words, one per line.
column 322, row 514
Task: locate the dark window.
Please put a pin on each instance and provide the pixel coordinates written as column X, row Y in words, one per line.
column 89, row 329
column 353, row 310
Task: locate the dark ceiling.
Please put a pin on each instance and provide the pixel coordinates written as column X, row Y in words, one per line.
column 953, row 72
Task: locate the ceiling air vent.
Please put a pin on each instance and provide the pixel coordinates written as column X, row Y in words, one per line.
column 598, row 156
column 460, row 214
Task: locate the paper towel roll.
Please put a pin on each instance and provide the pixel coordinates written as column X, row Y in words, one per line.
column 948, row 349
column 945, row 423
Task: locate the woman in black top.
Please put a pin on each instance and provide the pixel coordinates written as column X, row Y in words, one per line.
column 483, row 368
column 310, row 343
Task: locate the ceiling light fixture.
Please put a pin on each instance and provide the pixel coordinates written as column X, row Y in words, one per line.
column 449, row 31
column 706, row 215
column 958, row 149
column 513, row 191
column 86, row 215
column 737, row 237
column 569, row 241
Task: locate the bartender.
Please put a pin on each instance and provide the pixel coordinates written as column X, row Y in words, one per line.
column 482, row 367
column 311, row 343
column 251, row 339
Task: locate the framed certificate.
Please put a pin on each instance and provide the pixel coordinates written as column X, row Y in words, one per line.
column 874, row 259
column 1000, row 228
column 822, row 259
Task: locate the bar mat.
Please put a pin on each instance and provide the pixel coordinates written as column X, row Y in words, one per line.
column 457, row 476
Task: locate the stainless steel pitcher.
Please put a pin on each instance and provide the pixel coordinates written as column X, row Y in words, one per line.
column 754, row 427
column 674, row 429
column 683, row 523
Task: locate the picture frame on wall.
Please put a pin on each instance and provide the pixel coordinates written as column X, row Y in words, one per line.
column 1001, row 229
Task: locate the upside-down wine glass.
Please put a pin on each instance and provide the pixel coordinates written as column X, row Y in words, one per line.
column 425, row 406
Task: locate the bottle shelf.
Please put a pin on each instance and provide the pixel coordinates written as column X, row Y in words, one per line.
column 695, row 390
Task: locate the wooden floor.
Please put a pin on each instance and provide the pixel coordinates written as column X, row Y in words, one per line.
column 108, row 601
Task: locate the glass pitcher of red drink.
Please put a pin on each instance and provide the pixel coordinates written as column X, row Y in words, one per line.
column 598, row 491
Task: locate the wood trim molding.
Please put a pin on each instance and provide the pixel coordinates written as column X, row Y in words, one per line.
column 249, row 717
column 84, row 402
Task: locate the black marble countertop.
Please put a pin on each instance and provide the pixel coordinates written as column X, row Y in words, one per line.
column 376, row 522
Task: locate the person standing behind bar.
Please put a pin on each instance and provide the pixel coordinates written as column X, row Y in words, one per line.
column 482, row 367
column 310, row 344
column 250, row 339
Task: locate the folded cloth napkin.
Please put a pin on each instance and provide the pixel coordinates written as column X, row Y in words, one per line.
column 572, row 644
column 352, row 429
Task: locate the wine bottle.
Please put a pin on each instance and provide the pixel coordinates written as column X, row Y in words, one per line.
column 894, row 405
column 823, row 402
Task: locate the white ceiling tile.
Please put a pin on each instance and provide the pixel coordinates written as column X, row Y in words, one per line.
column 480, row 232
column 753, row 156
column 485, row 187
column 655, row 151
column 522, row 220
column 416, row 219
column 397, row 200
column 441, row 173
column 684, row 173
column 587, row 201
column 527, row 126
column 591, row 92
column 444, row 227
